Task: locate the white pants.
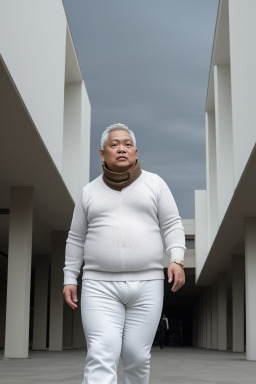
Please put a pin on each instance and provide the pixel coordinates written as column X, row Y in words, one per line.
column 120, row 318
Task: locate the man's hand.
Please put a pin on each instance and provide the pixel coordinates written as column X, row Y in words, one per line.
column 70, row 295
column 176, row 272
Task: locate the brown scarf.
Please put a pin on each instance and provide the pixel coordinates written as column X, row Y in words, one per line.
column 118, row 181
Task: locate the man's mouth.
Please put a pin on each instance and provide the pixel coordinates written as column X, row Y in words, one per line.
column 121, row 158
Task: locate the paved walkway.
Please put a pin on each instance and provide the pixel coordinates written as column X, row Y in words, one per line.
column 170, row 365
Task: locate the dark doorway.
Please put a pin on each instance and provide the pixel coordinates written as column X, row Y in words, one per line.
column 179, row 308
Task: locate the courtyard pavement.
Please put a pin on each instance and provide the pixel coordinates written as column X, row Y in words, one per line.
column 174, row 365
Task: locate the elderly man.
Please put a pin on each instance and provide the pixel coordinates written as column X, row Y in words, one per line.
column 115, row 231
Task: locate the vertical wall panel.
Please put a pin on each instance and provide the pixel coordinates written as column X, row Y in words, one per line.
column 224, row 139
column 211, row 177
column 243, row 78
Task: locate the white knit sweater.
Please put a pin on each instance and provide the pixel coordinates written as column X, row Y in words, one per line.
column 117, row 234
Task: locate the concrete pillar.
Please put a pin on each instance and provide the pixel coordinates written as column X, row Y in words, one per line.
column 78, row 332
column 229, row 320
column 199, row 323
column 205, row 319
column 224, row 151
column 215, row 316
column 238, row 302
column 40, row 302
column 250, row 286
column 67, row 326
column 209, row 318
column 241, row 41
column 222, row 311
column 211, row 177
column 73, row 333
column 72, row 136
column 195, row 326
column 56, row 297
column 19, row 272
column 3, row 294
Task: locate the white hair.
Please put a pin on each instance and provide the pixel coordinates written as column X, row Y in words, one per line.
column 115, row 127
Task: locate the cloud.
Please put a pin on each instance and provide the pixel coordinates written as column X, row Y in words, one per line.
column 146, row 63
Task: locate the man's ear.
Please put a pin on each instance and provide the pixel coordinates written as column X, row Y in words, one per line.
column 102, row 154
column 136, row 152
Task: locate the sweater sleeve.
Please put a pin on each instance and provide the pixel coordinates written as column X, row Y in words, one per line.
column 74, row 253
column 170, row 222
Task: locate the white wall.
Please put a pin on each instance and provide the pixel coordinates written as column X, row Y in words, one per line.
column 72, row 137
column 224, row 147
column 243, row 79
column 211, row 178
column 189, row 226
column 76, row 138
column 230, row 111
column 32, row 44
column 85, row 138
column 77, row 122
column 37, row 48
column 200, row 230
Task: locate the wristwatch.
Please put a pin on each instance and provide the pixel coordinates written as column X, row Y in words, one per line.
column 179, row 262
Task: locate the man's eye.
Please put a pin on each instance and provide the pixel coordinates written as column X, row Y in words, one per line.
column 128, row 144
column 113, row 145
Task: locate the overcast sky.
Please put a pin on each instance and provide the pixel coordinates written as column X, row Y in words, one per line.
column 145, row 63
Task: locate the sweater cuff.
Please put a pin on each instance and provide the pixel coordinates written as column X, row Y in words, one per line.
column 70, row 277
column 70, row 281
column 177, row 253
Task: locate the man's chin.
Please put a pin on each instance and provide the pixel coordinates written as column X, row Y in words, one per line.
column 122, row 167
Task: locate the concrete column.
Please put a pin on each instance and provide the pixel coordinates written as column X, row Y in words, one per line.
column 78, row 332
column 67, row 326
column 40, row 302
column 224, row 150
column 222, row 311
column 215, row 316
column 209, row 318
column 250, row 286
column 229, row 320
column 72, row 136
column 198, row 323
column 195, row 326
column 3, row 294
column 205, row 320
column 241, row 41
column 211, row 177
column 73, row 333
column 19, row 272
column 56, row 297
column 238, row 302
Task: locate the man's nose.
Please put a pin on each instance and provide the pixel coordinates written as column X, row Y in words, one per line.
column 121, row 148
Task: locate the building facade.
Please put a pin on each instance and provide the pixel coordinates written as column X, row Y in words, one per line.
column 45, row 147
column 225, row 213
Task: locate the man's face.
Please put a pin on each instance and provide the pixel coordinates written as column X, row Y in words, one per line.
column 119, row 152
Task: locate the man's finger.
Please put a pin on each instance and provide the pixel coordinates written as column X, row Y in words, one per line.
column 74, row 295
column 68, row 299
column 179, row 281
column 170, row 276
column 176, row 286
column 70, row 295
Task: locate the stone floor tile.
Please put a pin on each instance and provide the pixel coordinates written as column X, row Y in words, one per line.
column 170, row 365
